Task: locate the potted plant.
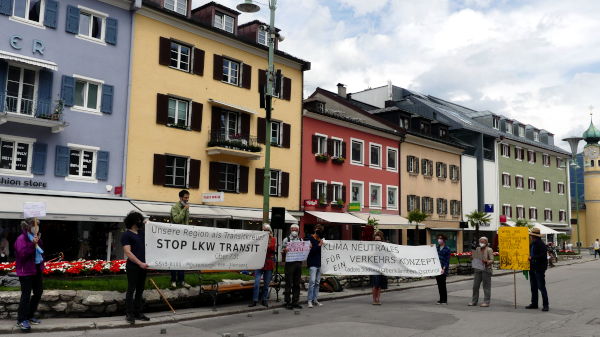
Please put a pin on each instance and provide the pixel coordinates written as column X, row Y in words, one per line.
column 322, row 157
column 58, row 109
column 338, row 160
column 322, row 202
column 416, row 216
column 338, row 204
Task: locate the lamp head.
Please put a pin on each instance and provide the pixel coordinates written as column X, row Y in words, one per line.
column 248, row 6
column 573, row 143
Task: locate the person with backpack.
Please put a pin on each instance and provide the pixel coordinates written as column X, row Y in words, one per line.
column 293, row 272
column 314, row 266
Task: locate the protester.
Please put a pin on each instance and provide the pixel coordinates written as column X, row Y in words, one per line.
column 29, row 266
column 4, row 245
column 444, row 255
column 180, row 214
column 380, row 281
column 293, row 272
column 314, row 266
column 537, row 269
column 483, row 260
column 266, row 272
column 134, row 248
column 596, row 248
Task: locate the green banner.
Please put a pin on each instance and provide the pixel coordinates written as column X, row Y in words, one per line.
column 354, row 207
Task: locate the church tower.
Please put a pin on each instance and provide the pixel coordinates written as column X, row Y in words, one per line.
column 591, row 182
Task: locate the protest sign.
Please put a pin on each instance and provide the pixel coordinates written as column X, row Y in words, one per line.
column 297, row 251
column 513, row 245
column 183, row 247
column 375, row 257
column 34, row 209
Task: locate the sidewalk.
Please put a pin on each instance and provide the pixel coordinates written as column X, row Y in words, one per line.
column 157, row 318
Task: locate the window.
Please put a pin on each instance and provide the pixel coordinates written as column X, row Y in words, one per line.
column 356, row 192
column 536, row 136
column 442, row 206
column 547, row 187
column 321, row 144
column 505, row 179
column 262, row 37
column 531, row 157
column 230, row 125
column 337, row 189
column 375, row 155
column 275, row 185
column 532, row 213
column 178, row 113
column 231, row 72
column 441, row 170
column 519, row 153
column 392, row 159
column 82, row 163
column 87, row 94
column 357, row 152
column 276, row 131
column 425, row 128
column 224, row 22
column 561, row 188
column 180, row 56
column 520, row 212
column 547, row 214
column 412, row 202
column 336, row 148
column 496, row 123
column 403, row 122
column 427, row 205
column 559, row 163
column 532, row 184
column 229, row 178
column 427, row 167
column 509, row 127
column 443, row 133
column 179, row 6
column 20, row 90
column 412, row 164
column 374, row 196
column 392, row 197
column 505, row 150
column 455, row 208
column 519, row 182
column 454, row 173
column 176, row 171
column 15, row 155
column 507, row 211
column 521, row 131
column 546, row 160
column 562, row 215
column 31, row 10
column 91, row 25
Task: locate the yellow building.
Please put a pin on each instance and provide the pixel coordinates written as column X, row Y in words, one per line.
column 588, row 219
column 196, row 120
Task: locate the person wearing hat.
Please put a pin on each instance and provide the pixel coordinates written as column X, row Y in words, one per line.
column 538, row 263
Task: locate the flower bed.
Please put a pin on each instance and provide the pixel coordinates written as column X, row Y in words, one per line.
column 75, row 268
column 567, row 252
column 468, row 254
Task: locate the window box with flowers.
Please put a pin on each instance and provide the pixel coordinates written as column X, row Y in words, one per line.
column 321, row 157
column 322, row 202
column 338, row 204
column 338, row 160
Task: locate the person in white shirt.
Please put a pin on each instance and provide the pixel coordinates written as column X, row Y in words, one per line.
column 596, row 248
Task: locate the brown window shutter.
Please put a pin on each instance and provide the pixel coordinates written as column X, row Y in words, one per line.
column 344, row 150
column 246, row 76
column 213, row 175
column 164, row 53
column 344, row 193
column 162, row 109
column 215, row 123
column 408, row 161
column 528, row 156
column 534, row 157
column 330, row 192
column 418, row 203
column 160, row 165
column 218, row 67
column 262, row 80
column 243, row 182
column 330, row 147
column 285, row 184
column 315, row 144
column 508, row 154
column 313, row 190
column 196, row 116
column 194, row 178
column 286, row 134
column 287, row 89
column 416, row 165
column 259, row 180
column 261, row 131
column 198, row 62
column 245, row 126
column 408, row 203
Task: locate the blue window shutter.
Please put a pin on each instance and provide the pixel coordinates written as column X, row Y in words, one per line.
column 61, row 167
column 72, row 20
column 102, row 166
column 3, row 75
column 67, row 90
column 6, row 7
column 106, row 105
column 111, row 31
column 51, row 14
column 38, row 165
column 44, row 106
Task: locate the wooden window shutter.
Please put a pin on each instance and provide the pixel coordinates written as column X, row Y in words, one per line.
column 416, row 165
column 194, row 177
column 408, row 163
column 330, row 147
column 287, row 89
column 218, row 67
column 329, row 192
column 215, row 123
column 528, row 156
column 102, row 165
column 424, row 165
column 259, row 180
column 160, row 165
column 198, row 68
column 315, row 143
column 508, row 153
column 286, row 134
column 534, row 157
column 246, row 76
column 261, row 126
column 262, row 80
column 344, row 193
column 38, row 160
column 408, row 198
column 344, row 150
column 417, row 202
column 213, row 175
column 245, row 126
column 313, row 190
column 162, row 109
column 285, row 184
column 196, row 123
column 243, row 182
column 164, row 53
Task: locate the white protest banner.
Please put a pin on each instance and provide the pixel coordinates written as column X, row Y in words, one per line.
column 297, row 251
column 183, row 247
column 375, row 257
column 34, row 209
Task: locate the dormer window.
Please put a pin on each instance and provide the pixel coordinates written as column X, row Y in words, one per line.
column 178, row 6
column 403, row 122
column 536, row 136
column 425, row 128
column 521, row 131
column 443, row 133
column 262, row 37
column 224, row 22
column 509, row 127
column 496, row 123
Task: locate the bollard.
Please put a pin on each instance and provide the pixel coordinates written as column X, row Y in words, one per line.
column 249, row 315
column 163, row 331
column 240, row 334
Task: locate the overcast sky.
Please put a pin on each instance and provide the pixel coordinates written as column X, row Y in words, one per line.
column 536, row 61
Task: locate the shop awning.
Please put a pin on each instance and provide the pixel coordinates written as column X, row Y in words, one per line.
column 252, row 214
column 66, row 208
column 386, row 221
column 28, row 60
column 545, row 230
column 335, row 217
column 164, row 209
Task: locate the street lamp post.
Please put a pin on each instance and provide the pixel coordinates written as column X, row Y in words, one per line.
column 574, row 143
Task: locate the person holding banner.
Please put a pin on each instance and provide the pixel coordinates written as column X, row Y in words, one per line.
column 538, row 262
column 293, row 272
column 180, row 214
column 134, row 247
column 444, row 256
column 314, row 266
column 380, row 281
column 266, row 272
column 483, row 260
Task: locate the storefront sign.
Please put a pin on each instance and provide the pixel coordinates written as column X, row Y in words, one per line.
column 489, row 208
column 297, row 251
column 311, row 203
column 30, row 183
column 16, row 41
column 375, row 257
column 354, row 207
column 34, row 209
column 213, row 197
column 513, row 245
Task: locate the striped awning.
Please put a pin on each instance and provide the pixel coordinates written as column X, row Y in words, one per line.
column 28, row 60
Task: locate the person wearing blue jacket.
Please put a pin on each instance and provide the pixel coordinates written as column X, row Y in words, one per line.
column 444, row 255
column 313, row 263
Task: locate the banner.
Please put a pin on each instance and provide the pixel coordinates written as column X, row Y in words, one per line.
column 297, row 251
column 183, row 247
column 374, row 257
column 513, row 245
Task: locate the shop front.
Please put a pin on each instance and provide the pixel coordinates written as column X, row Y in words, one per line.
column 337, row 225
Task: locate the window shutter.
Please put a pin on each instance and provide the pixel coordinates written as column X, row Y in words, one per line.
column 245, row 126
column 417, row 202
column 243, row 182
column 102, row 165
column 164, row 52
column 408, row 162
column 315, row 143
column 61, row 165
column 344, row 193
column 196, row 123
column 72, row 20
column 344, row 150
column 262, row 80
column 218, row 67
column 38, row 162
column 329, row 192
column 67, row 91
column 213, row 175
column 111, row 31
column 259, row 181
column 3, row 72
column 423, row 165
column 286, row 134
column 159, row 172
column 194, row 177
column 6, row 7
column 162, row 109
column 416, row 165
column 508, row 151
column 44, row 108
column 330, row 147
column 261, row 126
column 217, row 116
column 287, row 89
column 534, row 157
column 408, row 198
column 313, row 190
column 528, row 156
column 246, row 76
column 285, row 184
column 445, row 166
column 198, row 68
column 50, row 13
column 106, row 105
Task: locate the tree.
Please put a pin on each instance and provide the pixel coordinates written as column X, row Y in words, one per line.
column 523, row 223
column 417, row 217
column 477, row 219
column 563, row 238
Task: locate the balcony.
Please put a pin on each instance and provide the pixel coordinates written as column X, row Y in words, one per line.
column 32, row 112
column 237, row 145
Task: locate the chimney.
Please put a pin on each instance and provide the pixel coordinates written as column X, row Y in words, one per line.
column 341, row 90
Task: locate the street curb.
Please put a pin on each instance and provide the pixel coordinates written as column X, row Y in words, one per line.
column 169, row 319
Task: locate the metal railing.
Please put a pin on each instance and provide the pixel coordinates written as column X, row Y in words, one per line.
column 243, row 142
column 40, row 108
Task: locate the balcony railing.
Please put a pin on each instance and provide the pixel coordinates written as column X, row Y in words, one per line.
column 39, row 108
column 242, row 142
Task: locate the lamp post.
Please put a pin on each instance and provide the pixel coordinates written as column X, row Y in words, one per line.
column 249, row 6
column 574, row 144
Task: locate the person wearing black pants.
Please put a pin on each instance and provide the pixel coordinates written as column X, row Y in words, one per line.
column 293, row 272
column 538, row 263
column 444, row 255
column 133, row 245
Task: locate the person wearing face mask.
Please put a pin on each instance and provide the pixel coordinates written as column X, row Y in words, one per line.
column 378, row 282
column 29, row 266
column 314, row 266
column 444, row 255
column 293, row 272
column 482, row 272
column 266, row 272
column 180, row 214
column 135, row 250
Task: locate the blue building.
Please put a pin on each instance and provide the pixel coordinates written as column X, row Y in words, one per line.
column 576, row 172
